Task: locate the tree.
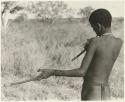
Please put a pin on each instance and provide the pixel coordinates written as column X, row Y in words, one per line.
column 85, row 12
column 8, row 7
column 69, row 14
column 48, row 10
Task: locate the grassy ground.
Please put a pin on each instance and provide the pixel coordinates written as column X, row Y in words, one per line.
column 30, row 45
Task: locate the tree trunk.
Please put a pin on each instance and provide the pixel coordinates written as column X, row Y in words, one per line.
column 4, row 19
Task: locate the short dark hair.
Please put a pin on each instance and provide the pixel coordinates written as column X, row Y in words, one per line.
column 101, row 16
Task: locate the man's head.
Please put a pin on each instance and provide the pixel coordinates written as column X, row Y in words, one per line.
column 100, row 20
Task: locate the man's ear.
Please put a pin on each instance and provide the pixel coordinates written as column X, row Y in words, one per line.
column 100, row 27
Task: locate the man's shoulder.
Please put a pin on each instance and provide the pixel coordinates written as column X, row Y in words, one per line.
column 119, row 41
column 94, row 40
column 116, row 40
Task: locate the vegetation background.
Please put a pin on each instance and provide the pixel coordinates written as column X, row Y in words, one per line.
column 30, row 44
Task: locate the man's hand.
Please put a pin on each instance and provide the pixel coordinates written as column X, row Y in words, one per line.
column 86, row 45
column 44, row 74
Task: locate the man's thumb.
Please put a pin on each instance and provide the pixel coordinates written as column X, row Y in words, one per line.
column 38, row 70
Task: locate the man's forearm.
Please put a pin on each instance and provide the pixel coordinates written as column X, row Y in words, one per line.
column 69, row 73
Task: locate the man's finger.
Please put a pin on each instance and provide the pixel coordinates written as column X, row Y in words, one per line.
column 38, row 70
column 38, row 79
column 43, row 77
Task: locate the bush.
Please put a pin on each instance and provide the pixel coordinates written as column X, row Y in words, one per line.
column 22, row 17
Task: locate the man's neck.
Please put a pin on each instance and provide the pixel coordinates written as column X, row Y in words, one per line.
column 108, row 30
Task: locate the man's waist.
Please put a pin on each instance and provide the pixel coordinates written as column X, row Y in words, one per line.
column 95, row 81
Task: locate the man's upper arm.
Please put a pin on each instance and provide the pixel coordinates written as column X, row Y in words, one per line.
column 91, row 48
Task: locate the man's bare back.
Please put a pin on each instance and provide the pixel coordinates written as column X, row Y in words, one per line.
column 107, row 50
column 95, row 86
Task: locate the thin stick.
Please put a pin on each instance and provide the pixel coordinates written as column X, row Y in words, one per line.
column 21, row 82
column 78, row 55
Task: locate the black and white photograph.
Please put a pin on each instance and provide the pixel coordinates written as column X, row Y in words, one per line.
column 62, row 50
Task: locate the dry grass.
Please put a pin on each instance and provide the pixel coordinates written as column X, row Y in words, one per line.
column 30, row 45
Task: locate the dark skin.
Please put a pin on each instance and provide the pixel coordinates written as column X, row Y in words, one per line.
column 101, row 54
